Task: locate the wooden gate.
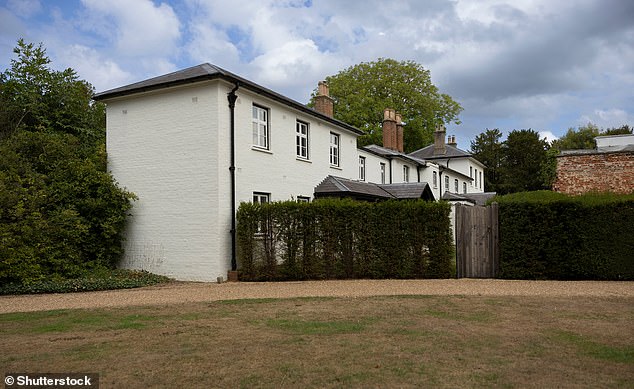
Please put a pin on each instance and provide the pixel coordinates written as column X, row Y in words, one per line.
column 477, row 252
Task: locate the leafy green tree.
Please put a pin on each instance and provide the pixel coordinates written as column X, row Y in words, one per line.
column 487, row 148
column 361, row 93
column 623, row 130
column 61, row 213
column 523, row 160
column 583, row 138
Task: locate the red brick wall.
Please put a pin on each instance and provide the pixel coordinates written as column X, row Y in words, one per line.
column 610, row 172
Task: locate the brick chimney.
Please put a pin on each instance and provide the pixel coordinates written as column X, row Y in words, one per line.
column 399, row 133
column 439, row 140
column 452, row 141
column 389, row 129
column 323, row 101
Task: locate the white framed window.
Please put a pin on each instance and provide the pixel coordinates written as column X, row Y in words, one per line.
column 464, row 187
column 261, row 198
column 362, row 168
column 456, row 185
column 303, row 199
column 260, row 123
column 434, row 178
column 382, row 167
column 446, row 183
column 301, row 139
column 405, row 173
column 480, row 179
column 471, row 171
column 476, row 178
column 334, row 149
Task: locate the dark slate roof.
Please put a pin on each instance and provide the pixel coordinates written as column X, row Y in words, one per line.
column 208, row 71
column 428, row 153
column 338, row 186
column 601, row 150
column 389, row 153
column 474, row 198
column 410, row 190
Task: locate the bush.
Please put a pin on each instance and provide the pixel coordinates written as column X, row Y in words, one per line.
column 99, row 280
column 334, row 239
column 547, row 235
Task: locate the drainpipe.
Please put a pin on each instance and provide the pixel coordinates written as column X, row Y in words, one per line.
column 232, row 97
column 390, row 169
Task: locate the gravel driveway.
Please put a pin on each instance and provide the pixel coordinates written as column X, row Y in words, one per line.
column 185, row 292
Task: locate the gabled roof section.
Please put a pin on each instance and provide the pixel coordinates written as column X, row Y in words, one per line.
column 389, row 153
column 333, row 186
column 410, row 190
column 428, row 153
column 206, row 71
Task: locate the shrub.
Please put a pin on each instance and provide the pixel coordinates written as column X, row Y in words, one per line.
column 99, row 280
column 334, row 239
column 547, row 235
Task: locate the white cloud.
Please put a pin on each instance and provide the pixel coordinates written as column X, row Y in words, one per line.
column 609, row 118
column 137, row 28
column 24, row 8
column 103, row 73
column 548, row 135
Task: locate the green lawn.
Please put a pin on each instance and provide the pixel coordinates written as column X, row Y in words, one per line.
column 514, row 342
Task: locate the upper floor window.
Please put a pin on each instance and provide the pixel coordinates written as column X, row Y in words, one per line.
column 301, row 139
column 405, row 173
column 260, row 120
column 446, row 183
column 480, row 179
column 471, row 171
column 464, row 187
column 435, row 179
column 476, row 178
column 382, row 173
column 455, row 185
column 362, row 168
column 334, row 149
column 261, row 198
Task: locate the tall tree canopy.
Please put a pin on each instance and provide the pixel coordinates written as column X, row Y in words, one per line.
column 363, row 91
column 61, row 213
column 487, row 149
column 524, row 156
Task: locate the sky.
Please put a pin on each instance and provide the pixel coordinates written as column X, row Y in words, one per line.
column 539, row 64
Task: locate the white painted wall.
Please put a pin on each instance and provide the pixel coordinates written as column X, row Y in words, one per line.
column 172, row 149
column 165, row 149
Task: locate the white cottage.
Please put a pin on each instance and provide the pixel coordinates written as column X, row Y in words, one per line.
column 194, row 144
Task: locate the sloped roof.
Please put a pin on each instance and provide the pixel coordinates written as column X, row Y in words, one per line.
column 410, row 190
column 601, row 150
column 338, row 186
column 428, row 153
column 389, row 153
column 204, row 72
column 474, row 198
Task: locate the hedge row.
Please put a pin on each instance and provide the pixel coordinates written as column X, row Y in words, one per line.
column 546, row 235
column 335, row 239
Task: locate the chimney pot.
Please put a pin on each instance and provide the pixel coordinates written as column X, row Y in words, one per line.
column 323, row 102
column 389, row 129
column 439, row 140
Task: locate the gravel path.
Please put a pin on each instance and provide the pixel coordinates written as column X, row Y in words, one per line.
column 185, row 292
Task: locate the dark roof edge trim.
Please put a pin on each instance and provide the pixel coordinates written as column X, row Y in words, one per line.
column 235, row 80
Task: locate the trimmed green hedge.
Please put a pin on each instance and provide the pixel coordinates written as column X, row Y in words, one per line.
column 335, row 239
column 547, row 235
column 99, row 280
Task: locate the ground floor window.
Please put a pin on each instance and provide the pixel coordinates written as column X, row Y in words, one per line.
column 261, row 198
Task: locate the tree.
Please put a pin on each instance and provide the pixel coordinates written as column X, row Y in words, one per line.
column 363, row 91
column 61, row 213
column 487, row 149
column 583, row 137
column 523, row 161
